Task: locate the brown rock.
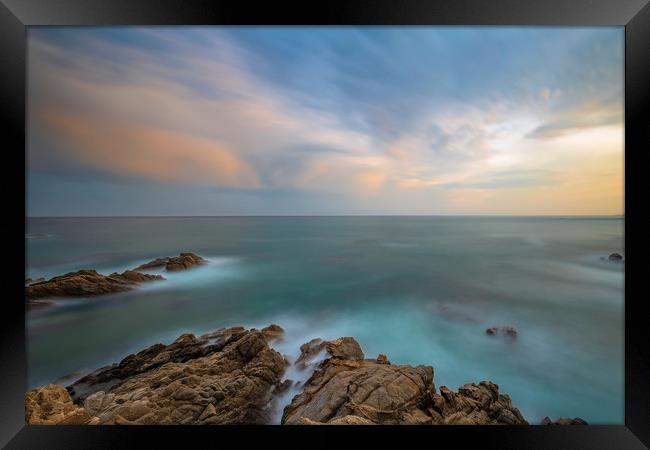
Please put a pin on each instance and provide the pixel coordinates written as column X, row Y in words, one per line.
column 225, row 377
column 184, row 348
column 51, row 405
column 355, row 390
column 308, row 351
column 344, row 348
column 273, row 332
column 382, row 359
column 86, row 283
column 174, row 263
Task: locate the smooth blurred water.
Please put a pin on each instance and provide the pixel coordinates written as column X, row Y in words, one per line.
column 420, row 289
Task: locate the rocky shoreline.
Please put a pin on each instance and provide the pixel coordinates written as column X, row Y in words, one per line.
column 90, row 283
column 234, row 376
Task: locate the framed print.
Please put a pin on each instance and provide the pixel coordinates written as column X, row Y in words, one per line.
column 423, row 217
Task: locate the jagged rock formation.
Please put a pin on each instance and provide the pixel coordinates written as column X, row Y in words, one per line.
column 232, row 376
column 51, row 405
column 225, row 377
column 174, row 263
column 346, row 389
column 87, row 283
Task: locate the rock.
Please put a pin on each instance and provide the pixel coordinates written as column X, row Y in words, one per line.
column 29, row 281
column 503, row 330
column 382, row 359
column 355, row 390
column 344, row 348
column 350, row 420
column 273, row 332
column 615, row 257
column 186, row 347
column 232, row 376
column 86, row 283
column 282, row 386
column 174, row 263
column 308, row 351
column 52, row 405
column 225, row 377
column 70, row 377
column 563, row 421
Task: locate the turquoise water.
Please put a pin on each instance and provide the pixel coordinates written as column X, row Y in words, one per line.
column 422, row 290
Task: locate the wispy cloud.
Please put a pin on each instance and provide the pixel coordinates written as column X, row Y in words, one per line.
column 390, row 120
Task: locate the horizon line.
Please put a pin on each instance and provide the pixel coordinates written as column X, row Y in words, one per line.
column 321, row 215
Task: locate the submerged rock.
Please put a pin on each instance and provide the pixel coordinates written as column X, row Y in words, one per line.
column 174, row 263
column 347, row 389
column 86, row 283
column 615, row 257
column 503, row 330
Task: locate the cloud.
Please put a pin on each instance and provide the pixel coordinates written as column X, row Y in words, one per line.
column 507, row 180
column 589, row 115
column 371, row 119
column 150, row 153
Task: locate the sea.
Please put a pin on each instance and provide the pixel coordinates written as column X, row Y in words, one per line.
column 419, row 289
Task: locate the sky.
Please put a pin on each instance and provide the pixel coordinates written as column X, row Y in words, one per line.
column 137, row 121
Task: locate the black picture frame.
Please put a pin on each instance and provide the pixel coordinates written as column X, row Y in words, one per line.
column 634, row 15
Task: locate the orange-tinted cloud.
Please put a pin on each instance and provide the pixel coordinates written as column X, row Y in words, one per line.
column 149, row 152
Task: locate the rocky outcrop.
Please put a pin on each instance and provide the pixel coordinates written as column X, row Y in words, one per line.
column 87, row 283
column 346, row 388
column 29, row 281
column 563, row 421
column 51, row 405
column 232, row 376
column 225, row 377
column 174, row 263
column 503, row 330
column 186, row 347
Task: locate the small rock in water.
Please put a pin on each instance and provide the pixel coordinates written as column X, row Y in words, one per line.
column 563, row 421
column 505, row 330
column 615, row 257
